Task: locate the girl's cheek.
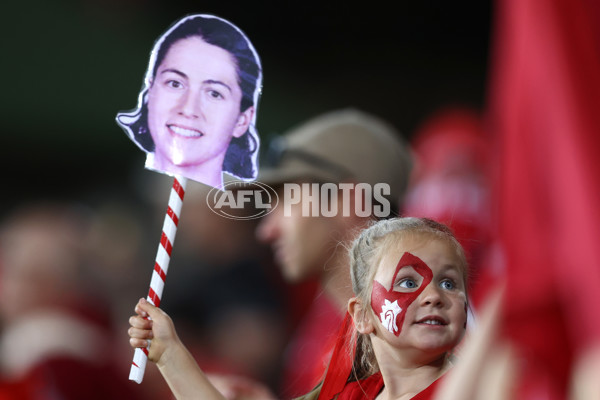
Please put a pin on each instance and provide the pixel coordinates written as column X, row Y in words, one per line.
column 390, row 306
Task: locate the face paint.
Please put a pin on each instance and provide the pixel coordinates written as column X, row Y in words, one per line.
column 390, row 305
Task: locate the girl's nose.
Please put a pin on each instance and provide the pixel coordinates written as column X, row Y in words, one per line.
column 269, row 228
column 190, row 106
column 431, row 296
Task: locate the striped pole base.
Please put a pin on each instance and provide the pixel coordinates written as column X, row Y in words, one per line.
column 161, row 265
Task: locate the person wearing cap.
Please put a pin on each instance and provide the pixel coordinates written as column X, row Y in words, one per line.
column 344, row 147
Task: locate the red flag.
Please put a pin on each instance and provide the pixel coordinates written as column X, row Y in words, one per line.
column 545, row 113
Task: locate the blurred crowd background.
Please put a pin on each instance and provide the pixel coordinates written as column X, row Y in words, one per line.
column 80, row 218
column 71, row 65
column 74, row 181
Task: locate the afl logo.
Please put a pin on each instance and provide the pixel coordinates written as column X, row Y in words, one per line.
column 228, row 200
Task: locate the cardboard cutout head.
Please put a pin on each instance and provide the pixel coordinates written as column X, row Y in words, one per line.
column 196, row 112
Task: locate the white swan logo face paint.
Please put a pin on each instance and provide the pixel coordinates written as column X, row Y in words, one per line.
column 391, row 305
column 389, row 314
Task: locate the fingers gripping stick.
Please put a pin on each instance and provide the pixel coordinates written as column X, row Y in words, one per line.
column 161, row 265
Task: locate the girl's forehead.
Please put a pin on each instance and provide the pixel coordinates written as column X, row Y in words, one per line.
column 432, row 250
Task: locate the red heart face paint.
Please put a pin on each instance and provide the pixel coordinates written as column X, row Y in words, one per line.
column 390, row 305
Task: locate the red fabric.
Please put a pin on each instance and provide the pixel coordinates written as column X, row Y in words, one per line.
column 452, row 140
column 451, row 184
column 340, row 365
column 67, row 378
column 311, row 348
column 369, row 388
column 545, row 94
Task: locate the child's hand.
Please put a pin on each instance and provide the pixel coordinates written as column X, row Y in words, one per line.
column 152, row 326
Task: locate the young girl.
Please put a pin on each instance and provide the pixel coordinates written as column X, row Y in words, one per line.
column 410, row 311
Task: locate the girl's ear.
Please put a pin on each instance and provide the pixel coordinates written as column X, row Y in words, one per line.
column 360, row 316
column 243, row 122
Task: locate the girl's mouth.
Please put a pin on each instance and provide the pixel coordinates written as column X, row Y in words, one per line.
column 185, row 132
column 432, row 320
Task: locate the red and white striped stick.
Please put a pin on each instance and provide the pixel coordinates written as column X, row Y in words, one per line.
column 161, row 265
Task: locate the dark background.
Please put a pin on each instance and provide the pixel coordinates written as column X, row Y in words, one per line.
column 69, row 66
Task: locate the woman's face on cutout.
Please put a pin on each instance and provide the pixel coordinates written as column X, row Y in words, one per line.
column 419, row 295
column 194, row 104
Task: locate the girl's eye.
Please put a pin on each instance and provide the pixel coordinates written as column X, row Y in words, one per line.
column 448, row 285
column 408, row 283
column 215, row 94
column 174, row 84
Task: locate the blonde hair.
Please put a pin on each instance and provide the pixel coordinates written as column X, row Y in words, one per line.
column 365, row 254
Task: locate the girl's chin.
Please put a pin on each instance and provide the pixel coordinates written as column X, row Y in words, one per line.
column 436, row 347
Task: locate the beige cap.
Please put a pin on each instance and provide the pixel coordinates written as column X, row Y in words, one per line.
column 340, row 146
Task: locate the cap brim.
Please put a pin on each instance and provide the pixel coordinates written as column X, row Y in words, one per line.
column 295, row 171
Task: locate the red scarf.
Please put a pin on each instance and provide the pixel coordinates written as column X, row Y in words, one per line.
column 340, row 365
